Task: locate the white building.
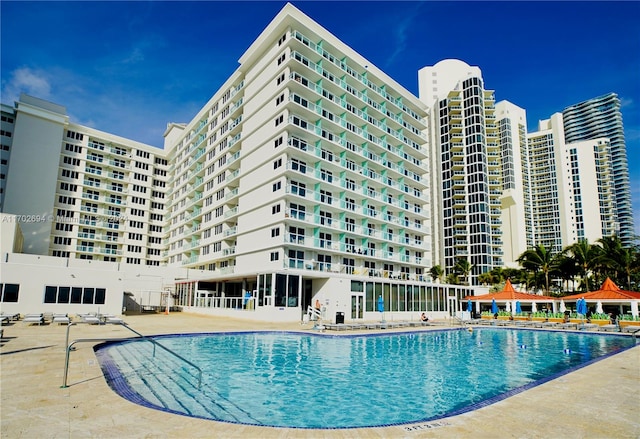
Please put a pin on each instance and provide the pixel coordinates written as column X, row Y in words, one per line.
column 466, row 168
column 105, row 199
column 571, row 187
column 305, row 177
column 516, row 200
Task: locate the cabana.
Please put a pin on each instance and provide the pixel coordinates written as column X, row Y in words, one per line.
column 609, row 299
column 509, row 299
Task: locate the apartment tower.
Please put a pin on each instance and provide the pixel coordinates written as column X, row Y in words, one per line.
column 466, row 167
column 601, row 117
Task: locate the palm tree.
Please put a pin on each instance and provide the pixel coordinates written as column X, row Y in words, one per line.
column 585, row 257
column 540, row 260
column 463, row 268
column 618, row 262
column 436, row 272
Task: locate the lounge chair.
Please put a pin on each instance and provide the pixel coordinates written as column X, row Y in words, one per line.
column 61, row 319
column 631, row 328
column 589, row 327
column 89, row 318
column 568, row 325
column 33, row 318
column 609, row 328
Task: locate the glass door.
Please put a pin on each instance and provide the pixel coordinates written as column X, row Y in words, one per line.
column 357, row 307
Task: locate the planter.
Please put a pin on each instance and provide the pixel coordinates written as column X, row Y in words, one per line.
column 504, row 318
column 487, row 317
column 602, row 322
column 521, row 318
column 538, row 319
column 578, row 321
column 623, row 323
column 556, row 320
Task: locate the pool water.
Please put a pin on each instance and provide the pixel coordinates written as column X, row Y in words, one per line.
column 300, row 380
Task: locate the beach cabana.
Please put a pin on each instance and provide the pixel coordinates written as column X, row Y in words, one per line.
column 609, row 298
column 510, row 296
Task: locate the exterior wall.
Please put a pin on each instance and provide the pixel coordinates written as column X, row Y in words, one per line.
column 38, row 131
column 601, row 117
column 147, row 286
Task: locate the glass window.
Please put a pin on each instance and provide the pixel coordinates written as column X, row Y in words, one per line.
column 50, row 294
column 10, row 292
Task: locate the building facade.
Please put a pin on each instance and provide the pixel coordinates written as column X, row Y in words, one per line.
column 104, row 199
column 571, row 187
column 467, row 170
column 304, row 178
column 601, row 117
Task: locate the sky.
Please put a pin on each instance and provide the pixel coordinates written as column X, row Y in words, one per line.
column 129, row 68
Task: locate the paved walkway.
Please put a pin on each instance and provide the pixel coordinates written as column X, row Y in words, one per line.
column 598, row 401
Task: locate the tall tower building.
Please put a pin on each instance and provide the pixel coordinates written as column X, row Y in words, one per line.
column 570, row 187
column 601, row 117
column 516, row 218
column 466, row 164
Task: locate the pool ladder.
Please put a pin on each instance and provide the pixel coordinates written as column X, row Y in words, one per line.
column 94, row 340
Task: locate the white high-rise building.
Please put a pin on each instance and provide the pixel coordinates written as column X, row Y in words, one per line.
column 600, row 117
column 308, row 163
column 516, row 169
column 571, row 187
column 466, row 167
column 83, row 193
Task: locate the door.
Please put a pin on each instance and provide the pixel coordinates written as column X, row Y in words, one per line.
column 357, row 307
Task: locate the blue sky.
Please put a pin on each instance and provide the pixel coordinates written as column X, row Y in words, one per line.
column 130, row 67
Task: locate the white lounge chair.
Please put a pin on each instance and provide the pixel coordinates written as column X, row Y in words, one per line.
column 33, row 318
column 61, row 319
column 89, row 318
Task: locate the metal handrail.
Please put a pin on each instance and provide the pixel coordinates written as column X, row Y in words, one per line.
column 154, row 342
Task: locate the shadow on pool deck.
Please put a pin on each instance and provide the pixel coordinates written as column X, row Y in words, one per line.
column 598, row 401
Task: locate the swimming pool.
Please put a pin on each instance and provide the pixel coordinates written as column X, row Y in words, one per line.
column 287, row 379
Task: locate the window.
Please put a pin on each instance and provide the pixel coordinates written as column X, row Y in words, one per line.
column 274, row 256
column 277, row 163
column 9, row 292
column 280, row 99
column 279, row 120
column 77, row 295
column 277, row 142
column 298, row 188
column 275, row 232
column 277, row 186
column 275, row 209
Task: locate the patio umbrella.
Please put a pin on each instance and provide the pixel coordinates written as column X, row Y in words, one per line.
column 518, row 307
column 562, row 307
column 599, row 309
column 380, row 303
column 469, row 306
column 582, row 306
column 508, row 306
column 534, row 307
column 494, row 306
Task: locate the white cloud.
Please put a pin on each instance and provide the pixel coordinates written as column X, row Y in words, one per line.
column 626, row 102
column 25, row 80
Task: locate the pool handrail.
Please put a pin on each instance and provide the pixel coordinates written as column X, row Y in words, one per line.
column 124, row 324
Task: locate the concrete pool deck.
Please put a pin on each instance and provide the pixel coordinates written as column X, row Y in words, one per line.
column 598, row 401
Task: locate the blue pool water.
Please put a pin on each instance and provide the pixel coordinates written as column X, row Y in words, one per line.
column 299, row 380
